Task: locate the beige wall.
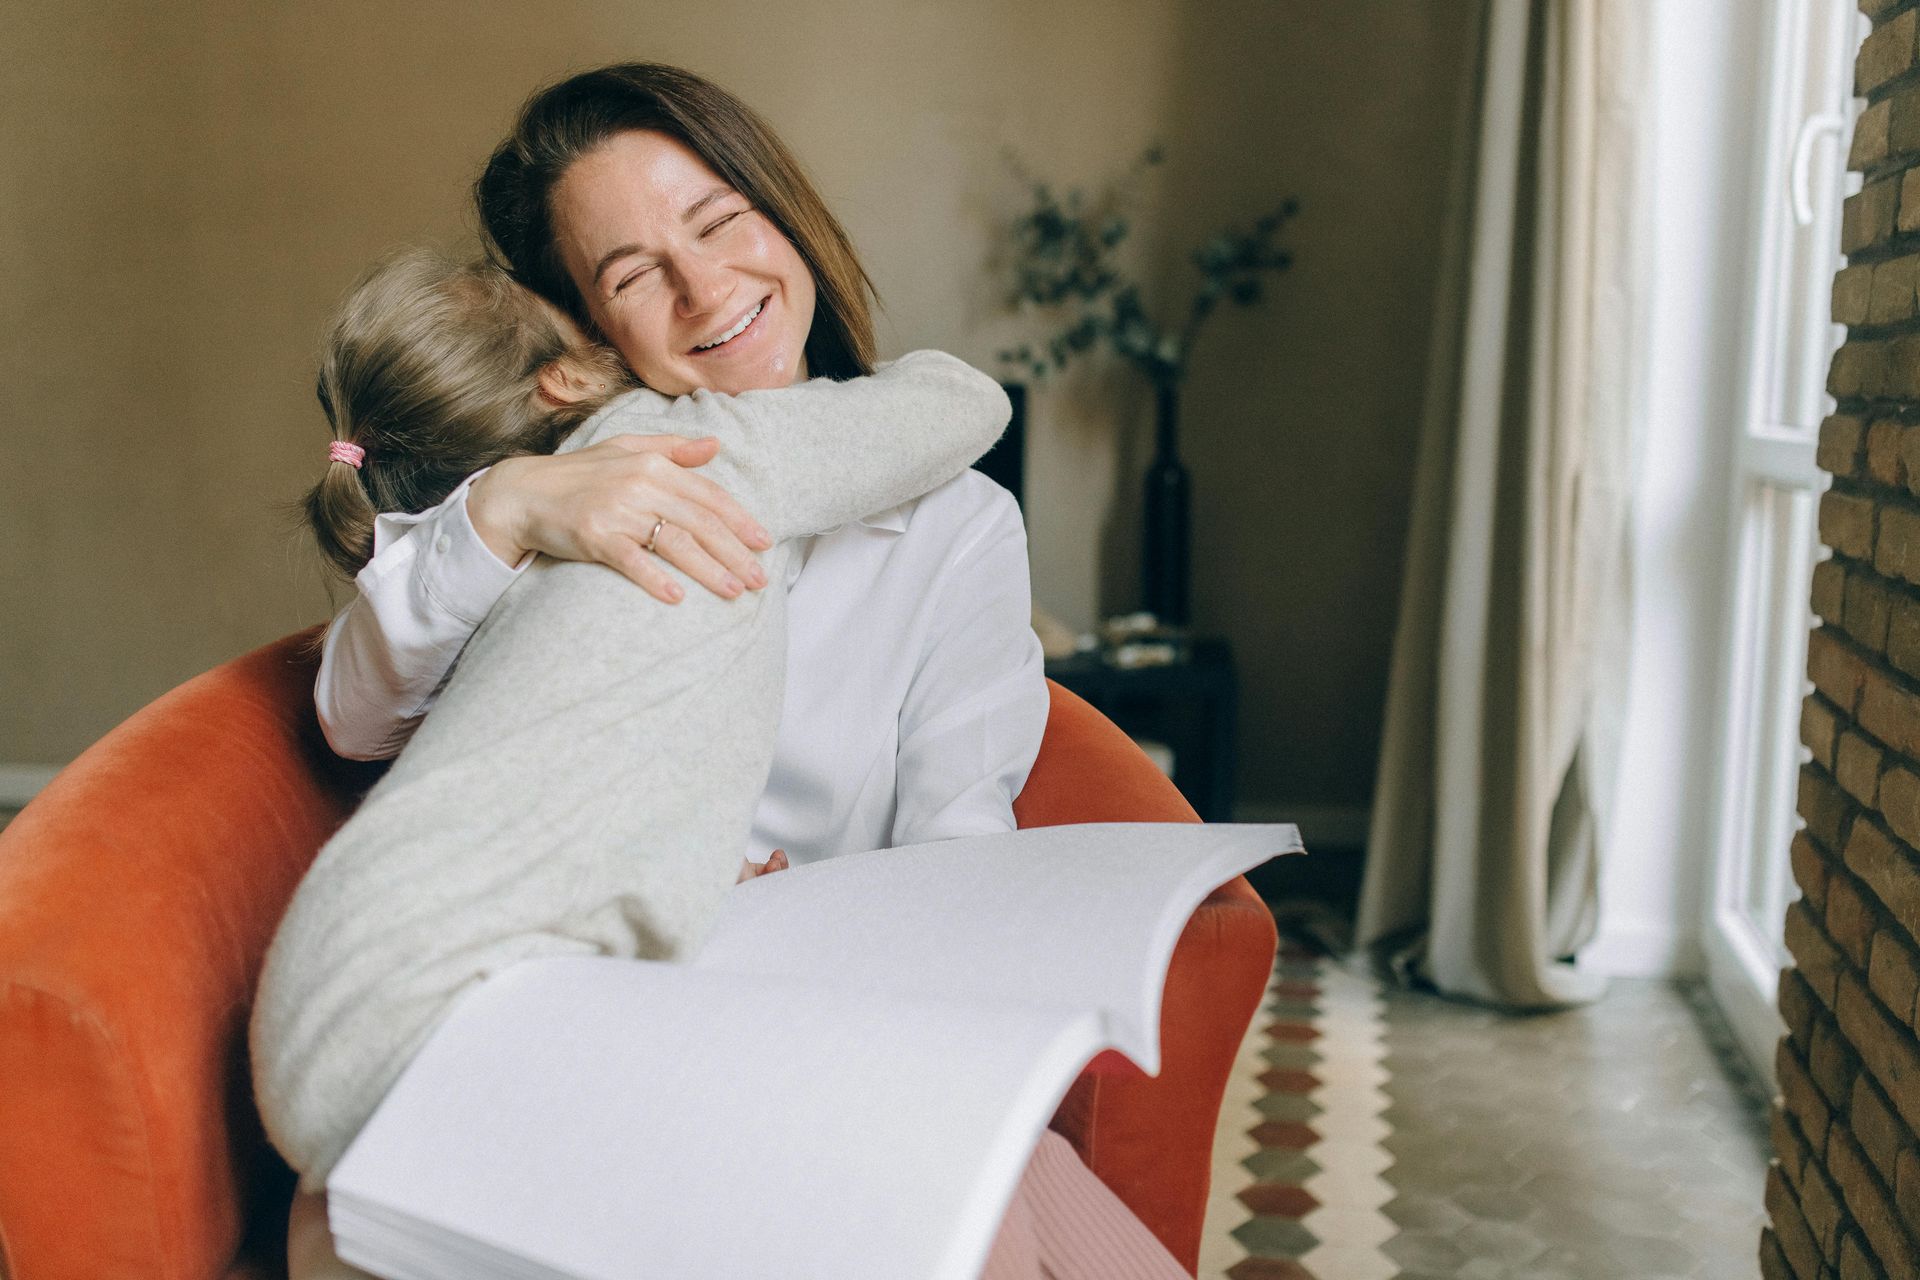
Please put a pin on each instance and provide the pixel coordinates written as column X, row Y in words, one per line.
column 185, row 189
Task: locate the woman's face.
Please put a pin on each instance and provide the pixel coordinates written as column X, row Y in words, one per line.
column 671, row 260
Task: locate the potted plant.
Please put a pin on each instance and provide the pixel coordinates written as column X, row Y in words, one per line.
column 1067, row 262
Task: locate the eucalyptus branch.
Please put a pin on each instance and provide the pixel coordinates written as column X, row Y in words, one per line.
column 1066, row 257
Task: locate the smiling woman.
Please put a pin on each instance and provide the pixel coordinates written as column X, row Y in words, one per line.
column 678, row 271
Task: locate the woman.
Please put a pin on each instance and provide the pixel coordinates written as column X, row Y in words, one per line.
column 667, row 219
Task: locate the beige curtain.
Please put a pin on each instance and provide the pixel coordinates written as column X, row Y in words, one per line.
column 1507, row 685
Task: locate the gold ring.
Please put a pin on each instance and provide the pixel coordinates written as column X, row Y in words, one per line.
column 657, row 526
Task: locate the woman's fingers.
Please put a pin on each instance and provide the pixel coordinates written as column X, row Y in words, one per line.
column 683, row 551
column 776, row 861
column 643, row 570
column 712, row 536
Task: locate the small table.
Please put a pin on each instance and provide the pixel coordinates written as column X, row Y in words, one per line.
column 1188, row 705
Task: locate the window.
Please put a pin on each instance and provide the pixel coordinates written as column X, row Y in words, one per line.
column 1776, row 485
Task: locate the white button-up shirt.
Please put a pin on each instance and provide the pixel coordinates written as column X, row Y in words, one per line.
column 915, row 699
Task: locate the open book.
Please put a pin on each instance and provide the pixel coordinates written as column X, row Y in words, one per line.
column 846, row 1081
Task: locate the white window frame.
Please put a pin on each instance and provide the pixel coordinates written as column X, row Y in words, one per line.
column 1802, row 176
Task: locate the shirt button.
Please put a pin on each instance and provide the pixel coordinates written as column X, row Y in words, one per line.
column 443, row 544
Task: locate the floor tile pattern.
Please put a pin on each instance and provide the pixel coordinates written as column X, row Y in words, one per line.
column 1296, row 1191
column 1611, row 1140
column 1625, row 1138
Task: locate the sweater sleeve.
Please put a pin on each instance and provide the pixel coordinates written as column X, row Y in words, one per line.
column 801, row 459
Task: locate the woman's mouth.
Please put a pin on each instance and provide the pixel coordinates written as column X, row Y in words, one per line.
column 732, row 334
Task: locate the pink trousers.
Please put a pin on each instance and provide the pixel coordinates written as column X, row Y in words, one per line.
column 1062, row 1224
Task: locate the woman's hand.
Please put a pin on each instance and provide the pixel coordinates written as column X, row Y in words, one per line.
column 776, row 861
column 600, row 504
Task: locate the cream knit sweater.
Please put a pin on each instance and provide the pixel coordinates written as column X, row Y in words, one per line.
column 585, row 783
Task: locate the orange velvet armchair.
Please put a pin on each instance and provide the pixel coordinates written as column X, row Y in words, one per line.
column 138, row 893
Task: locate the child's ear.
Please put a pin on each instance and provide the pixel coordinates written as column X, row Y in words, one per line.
column 565, row 381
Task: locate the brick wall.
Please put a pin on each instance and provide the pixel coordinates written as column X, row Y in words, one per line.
column 1844, row 1192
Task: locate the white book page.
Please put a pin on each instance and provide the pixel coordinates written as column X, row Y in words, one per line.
column 1083, row 916
column 602, row 1118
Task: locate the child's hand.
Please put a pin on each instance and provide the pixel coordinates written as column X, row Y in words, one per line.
column 776, row 861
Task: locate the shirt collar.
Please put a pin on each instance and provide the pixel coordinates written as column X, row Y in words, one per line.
column 893, row 519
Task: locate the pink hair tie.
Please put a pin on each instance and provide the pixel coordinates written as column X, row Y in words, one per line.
column 351, row 454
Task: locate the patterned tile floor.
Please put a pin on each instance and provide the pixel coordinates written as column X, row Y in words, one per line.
column 1397, row 1135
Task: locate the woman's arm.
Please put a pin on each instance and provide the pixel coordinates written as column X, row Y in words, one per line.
column 973, row 717
column 425, row 591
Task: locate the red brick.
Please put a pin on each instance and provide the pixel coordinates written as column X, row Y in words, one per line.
column 1855, row 1262
column 1789, row 1148
column 1824, row 806
column 1890, row 300
column 1796, row 1241
column 1887, row 53
column 1857, row 767
column 1836, row 669
column 1819, row 729
column 1870, row 138
column 1849, row 919
column 1867, row 609
column 1843, row 438
column 1820, row 1206
column 1819, row 960
column 1829, row 595
column 1859, row 369
column 1893, row 974
column 1886, row 1047
column 1888, row 870
column 1853, row 294
column 1889, row 710
column 1896, row 547
column 1866, row 218
column 1900, row 802
column 1906, row 1185
column 1801, row 1098
column 1876, row 1128
column 1833, row 1064
column 1798, row 1009
column 1871, row 1207
column 1894, row 369
column 1903, row 635
column 1810, row 870
column 1846, row 524
column 1908, row 219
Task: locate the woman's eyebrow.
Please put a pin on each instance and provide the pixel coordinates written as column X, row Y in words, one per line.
column 693, row 210
column 618, row 252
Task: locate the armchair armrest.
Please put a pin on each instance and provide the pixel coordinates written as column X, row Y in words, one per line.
column 1151, row 1139
column 138, row 893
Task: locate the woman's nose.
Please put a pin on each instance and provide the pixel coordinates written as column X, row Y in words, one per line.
column 703, row 286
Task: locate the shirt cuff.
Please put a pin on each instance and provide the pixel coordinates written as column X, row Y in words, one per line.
column 458, row 569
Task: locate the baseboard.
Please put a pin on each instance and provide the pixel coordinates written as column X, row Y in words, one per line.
column 19, row 783
column 1331, row 826
column 1642, row 948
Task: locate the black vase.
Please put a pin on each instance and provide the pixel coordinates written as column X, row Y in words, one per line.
column 1163, row 553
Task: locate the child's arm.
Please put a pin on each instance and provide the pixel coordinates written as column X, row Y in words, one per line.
column 422, row 595
column 850, row 449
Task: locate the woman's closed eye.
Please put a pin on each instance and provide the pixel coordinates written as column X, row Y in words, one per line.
column 633, row 277
column 717, row 223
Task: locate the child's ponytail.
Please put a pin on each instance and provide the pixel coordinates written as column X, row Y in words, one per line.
column 337, row 508
column 431, row 372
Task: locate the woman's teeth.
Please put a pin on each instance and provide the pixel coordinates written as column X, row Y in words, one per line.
column 734, row 332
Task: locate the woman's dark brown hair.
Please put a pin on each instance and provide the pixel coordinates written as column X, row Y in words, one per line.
column 562, row 123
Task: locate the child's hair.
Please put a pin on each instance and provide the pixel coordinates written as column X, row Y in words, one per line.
column 432, row 367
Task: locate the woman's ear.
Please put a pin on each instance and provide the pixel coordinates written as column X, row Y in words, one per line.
column 565, row 381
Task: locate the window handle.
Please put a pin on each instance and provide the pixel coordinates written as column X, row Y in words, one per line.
column 1811, row 130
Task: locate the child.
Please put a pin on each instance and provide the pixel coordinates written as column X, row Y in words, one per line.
column 586, row 781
